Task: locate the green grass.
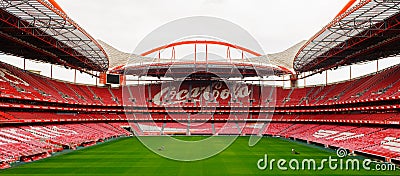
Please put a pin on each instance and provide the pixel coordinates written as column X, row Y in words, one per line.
column 129, row 157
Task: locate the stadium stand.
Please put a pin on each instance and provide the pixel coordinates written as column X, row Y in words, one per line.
column 29, row 143
column 372, row 140
column 103, row 118
column 201, row 128
column 40, row 115
column 28, row 86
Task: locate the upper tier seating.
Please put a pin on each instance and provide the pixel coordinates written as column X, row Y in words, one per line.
column 17, row 83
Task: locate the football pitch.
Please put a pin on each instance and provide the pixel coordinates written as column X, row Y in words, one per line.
column 127, row 156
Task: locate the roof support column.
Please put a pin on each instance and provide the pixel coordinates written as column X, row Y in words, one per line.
column 350, row 73
column 75, row 77
column 326, row 77
column 195, row 53
column 206, row 54
column 96, row 77
column 377, row 66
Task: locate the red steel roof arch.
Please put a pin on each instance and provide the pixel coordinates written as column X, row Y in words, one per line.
column 200, row 42
column 204, row 42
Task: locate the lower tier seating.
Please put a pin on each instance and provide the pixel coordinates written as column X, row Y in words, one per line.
column 383, row 142
column 29, row 143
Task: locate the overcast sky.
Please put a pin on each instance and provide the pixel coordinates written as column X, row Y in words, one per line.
column 276, row 24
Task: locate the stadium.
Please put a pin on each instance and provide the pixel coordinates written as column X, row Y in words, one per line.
column 220, row 108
